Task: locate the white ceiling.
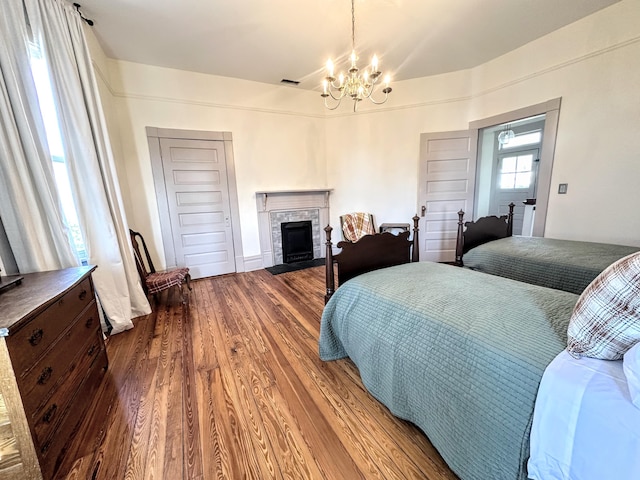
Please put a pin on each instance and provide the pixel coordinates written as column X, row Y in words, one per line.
column 268, row 40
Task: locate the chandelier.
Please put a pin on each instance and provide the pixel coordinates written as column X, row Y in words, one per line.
column 355, row 84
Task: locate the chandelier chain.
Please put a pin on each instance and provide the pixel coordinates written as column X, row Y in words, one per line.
column 353, row 26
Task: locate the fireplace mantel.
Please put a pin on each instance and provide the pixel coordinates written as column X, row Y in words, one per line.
column 269, row 196
column 273, row 205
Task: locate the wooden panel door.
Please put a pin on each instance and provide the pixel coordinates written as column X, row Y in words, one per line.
column 447, row 182
column 195, row 178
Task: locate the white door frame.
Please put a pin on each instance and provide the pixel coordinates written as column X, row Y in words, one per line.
column 153, row 138
column 551, row 109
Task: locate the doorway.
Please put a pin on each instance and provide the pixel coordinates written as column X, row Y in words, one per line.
column 448, row 180
column 507, row 169
column 197, row 200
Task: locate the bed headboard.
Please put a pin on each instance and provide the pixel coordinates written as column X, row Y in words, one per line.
column 371, row 252
column 483, row 230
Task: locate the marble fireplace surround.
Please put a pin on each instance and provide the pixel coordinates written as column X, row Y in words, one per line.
column 275, row 207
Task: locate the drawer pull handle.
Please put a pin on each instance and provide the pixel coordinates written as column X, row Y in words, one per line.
column 35, row 337
column 45, row 375
column 83, row 295
column 89, row 323
column 45, row 447
column 48, row 415
column 91, row 350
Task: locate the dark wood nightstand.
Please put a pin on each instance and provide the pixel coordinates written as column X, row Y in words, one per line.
column 390, row 227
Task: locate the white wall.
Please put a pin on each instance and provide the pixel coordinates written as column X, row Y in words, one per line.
column 592, row 64
column 278, row 136
column 484, row 172
column 372, row 156
column 283, row 138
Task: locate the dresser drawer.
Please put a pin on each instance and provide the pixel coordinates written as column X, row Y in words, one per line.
column 30, row 341
column 51, row 452
column 47, row 418
column 37, row 382
column 54, row 359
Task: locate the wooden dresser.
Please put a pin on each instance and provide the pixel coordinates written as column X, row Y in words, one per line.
column 52, row 360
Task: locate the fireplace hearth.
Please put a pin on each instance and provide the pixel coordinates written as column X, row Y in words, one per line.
column 297, row 241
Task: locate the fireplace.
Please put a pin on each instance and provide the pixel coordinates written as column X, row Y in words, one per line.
column 277, row 207
column 297, row 241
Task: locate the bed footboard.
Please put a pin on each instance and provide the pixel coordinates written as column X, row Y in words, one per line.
column 371, row 252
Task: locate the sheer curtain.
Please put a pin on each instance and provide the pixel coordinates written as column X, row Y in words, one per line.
column 58, row 28
column 29, row 203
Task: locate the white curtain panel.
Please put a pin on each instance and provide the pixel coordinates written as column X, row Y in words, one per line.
column 90, row 161
column 29, row 204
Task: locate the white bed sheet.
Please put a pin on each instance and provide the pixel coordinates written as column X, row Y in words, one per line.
column 584, row 425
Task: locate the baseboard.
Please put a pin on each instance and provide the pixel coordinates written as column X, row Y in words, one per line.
column 253, row 263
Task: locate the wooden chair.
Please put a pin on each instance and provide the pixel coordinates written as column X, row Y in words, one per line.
column 152, row 281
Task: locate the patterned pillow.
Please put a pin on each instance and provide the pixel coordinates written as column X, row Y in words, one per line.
column 631, row 367
column 606, row 320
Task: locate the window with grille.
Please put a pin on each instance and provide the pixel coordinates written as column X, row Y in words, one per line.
column 54, row 139
column 516, row 171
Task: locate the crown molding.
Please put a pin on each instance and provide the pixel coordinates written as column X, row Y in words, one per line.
column 378, row 110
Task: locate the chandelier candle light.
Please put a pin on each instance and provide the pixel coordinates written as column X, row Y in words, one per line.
column 355, row 84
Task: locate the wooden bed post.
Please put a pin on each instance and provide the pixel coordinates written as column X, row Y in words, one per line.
column 415, row 250
column 459, row 240
column 510, row 220
column 329, row 280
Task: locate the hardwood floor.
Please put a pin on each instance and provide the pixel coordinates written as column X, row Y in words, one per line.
column 231, row 387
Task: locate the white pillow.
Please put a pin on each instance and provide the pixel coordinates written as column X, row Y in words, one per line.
column 605, row 322
column 631, row 367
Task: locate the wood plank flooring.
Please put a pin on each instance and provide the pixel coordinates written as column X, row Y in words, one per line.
column 230, row 386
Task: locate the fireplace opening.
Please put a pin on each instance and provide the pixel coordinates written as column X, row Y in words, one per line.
column 297, row 241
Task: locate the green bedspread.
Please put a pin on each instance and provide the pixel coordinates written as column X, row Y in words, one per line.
column 561, row 264
column 458, row 353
